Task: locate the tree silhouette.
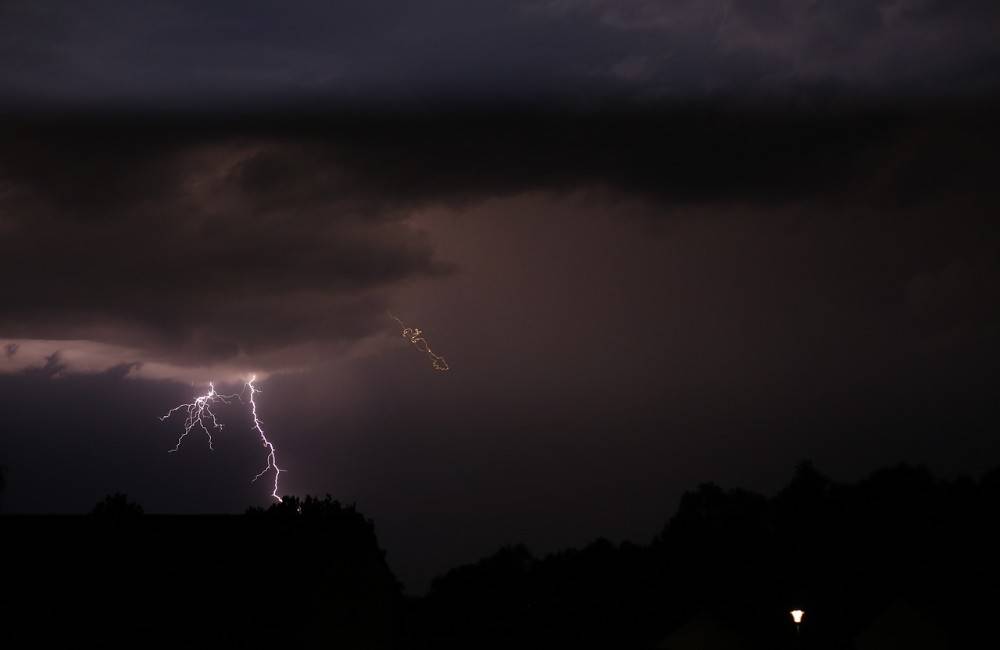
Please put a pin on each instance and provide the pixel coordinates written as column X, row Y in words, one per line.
column 303, row 573
column 117, row 506
column 845, row 553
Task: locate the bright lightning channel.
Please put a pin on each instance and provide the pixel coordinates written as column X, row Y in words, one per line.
column 416, row 337
column 200, row 414
column 197, row 412
column 272, row 461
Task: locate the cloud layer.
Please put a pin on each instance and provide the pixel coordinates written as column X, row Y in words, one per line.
column 194, row 255
column 267, row 246
column 881, row 48
column 193, row 54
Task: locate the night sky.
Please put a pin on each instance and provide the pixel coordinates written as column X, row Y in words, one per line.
column 659, row 243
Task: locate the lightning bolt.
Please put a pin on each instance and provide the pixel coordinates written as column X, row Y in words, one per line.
column 272, row 461
column 200, row 415
column 197, row 412
column 417, row 339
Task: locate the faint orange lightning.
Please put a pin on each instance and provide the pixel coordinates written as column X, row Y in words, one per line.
column 416, row 337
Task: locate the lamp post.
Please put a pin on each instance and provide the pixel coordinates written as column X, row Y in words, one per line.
column 797, row 615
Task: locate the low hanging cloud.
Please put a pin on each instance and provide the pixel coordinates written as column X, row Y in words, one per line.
column 57, row 358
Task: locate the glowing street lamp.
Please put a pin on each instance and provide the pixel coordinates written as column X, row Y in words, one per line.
column 797, row 615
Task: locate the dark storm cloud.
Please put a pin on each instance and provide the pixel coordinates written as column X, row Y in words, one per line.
column 189, row 251
column 187, row 54
column 200, row 242
column 635, row 295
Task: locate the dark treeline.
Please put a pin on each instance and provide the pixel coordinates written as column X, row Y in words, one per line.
column 730, row 564
column 723, row 572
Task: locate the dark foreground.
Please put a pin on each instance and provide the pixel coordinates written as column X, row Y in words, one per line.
column 278, row 579
column 899, row 560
